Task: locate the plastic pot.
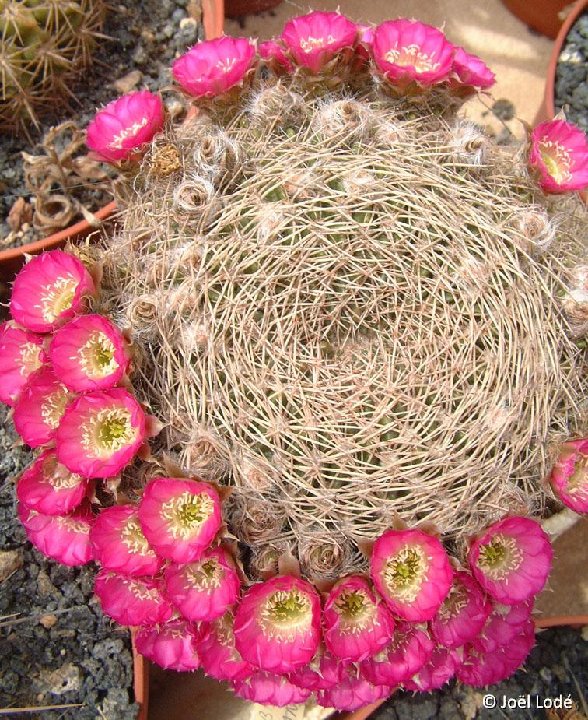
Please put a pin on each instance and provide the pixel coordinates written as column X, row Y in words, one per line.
column 544, row 16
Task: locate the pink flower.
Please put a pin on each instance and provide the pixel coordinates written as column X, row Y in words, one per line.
column 352, row 693
column 559, row 153
column 569, row 477
column 119, row 544
column 179, row 517
column 503, row 624
column 50, row 488
column 471, row 70
column 512, row 559
column 40, row 408
column 356, row 625
column 272, row 51
column 268, row 689
column 462, row 614
column 131, row 601
column 407, row 50
column 21, row 354
column 481, row 667
column 65, row 538
column 437, row 671
column 409, row 650
column 219, row 656
column 212, row 67
column 171, row 646
column 100, row 433
column 125, row 124
column 203, row 590
column 316, row 38
column 49, row 290
column 89, row 353
column 366, row 38
column 322, row 672
column 411, row 571
column 277, row 624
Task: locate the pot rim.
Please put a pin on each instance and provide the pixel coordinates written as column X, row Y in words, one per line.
column 549, row 96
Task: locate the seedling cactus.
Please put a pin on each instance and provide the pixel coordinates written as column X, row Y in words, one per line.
column 43, row 45
column 355, row 318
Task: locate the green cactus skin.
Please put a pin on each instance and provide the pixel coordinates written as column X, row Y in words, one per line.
column 44, row 45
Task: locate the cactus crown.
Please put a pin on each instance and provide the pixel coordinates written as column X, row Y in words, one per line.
column 342, row 312
column 43, row 45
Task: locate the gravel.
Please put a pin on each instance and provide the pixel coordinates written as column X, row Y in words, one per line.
column 56, row 647
column 571, row 82
column 144, row 36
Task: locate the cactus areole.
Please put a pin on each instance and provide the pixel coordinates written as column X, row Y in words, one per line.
column 356, row 320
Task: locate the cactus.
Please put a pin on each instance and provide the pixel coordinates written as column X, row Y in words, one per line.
column 347, row 306
column 44, row 45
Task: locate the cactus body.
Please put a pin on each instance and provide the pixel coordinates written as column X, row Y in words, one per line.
column 43, row 45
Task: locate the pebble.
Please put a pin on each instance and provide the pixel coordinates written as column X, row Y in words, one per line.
column 128, row 82
column 10, row 562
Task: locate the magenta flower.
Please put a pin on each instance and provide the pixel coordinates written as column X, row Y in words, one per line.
column 268, row 689
column 366, row 38
column 462, row 614
column 100, row 433
column 203, row 590
column 409, row 650
column 119, row 544
column 503, row 624
column 65, row 538
column 277, row 624
column 356, row 625
column 323, row 672
column 21, row 354
column 212, row 67
column 171, row 646
column 471, row 70
column 352, row 693
column 407, row 50
column 179, row 517
column 569, row 477
column 559, row 153
column 49, row 290
column 50, row 488
column 219, row 656
column 40, row 408
column 481, row 667
column 125, row 124
column 316, row 38
column 438, row 670
column 89, row 353
column 512, row 559
column 411, row 571
column 272, row 51
column 131, row 601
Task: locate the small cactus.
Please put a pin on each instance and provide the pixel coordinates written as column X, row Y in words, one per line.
column 44, row 44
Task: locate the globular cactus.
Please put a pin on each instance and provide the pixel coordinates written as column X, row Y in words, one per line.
column 44, row 45
column 353, row 302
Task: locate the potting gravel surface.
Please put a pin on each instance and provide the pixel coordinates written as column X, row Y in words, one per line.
column 144, row 38
column 556, row 668
column 571, row 80
column 56, row 647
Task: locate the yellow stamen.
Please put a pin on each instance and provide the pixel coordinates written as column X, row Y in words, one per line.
column 30, row 358
column 132, row 536
column 108, row 431
column 58, row 297
column 117, row 141
column 412, row 56
column 556, row 159
column 187, row 513
column 284, row 614
column 355, row 609
column 58, row 476
column 97, row 356
column 53, row 407
column 500, row 557
column 404, row 574
column 205, row 575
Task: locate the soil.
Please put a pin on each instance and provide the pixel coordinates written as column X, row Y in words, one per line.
column 143, row 38
column 557, row 667
column 56, row 647
column 571, row 81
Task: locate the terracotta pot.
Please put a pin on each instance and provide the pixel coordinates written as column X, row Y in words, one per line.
column 12, row 259
column 140, row 680
column 547, row 111
column 238, row 8
column 544, row 16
